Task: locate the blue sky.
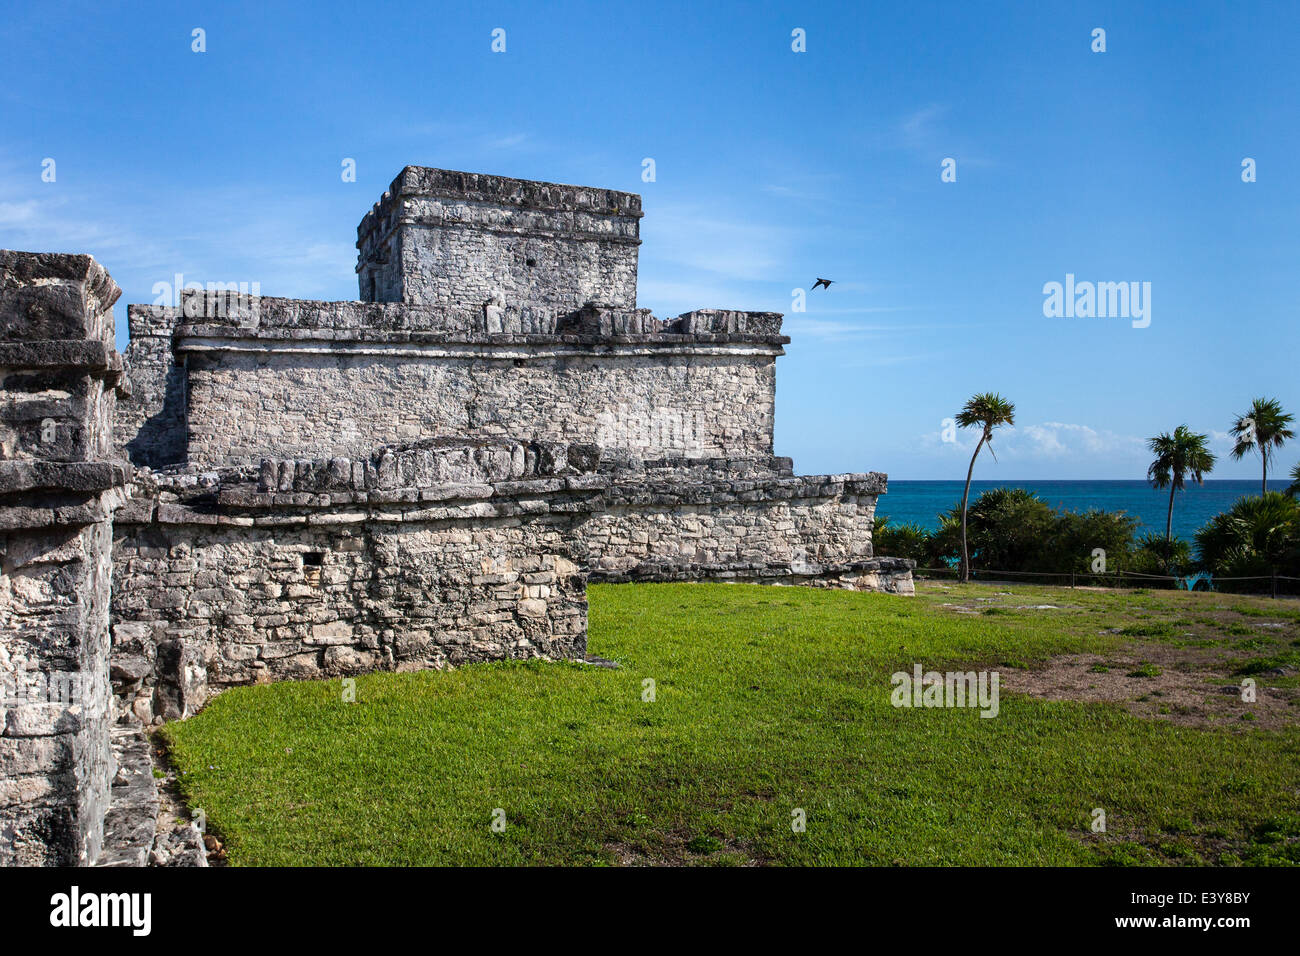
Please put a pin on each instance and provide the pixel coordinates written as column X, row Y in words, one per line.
column 773, row 168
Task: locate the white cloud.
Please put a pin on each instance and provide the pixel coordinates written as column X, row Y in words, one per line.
column 220, row 235
column 917, row 131
column 803, row 324
column 708, row 242
column 514, row 141
column 1056, row 441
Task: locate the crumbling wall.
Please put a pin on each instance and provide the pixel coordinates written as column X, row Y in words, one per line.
column 298, row 603
column 58, row 374
column 728, row 521
column 149, row 424
column 424, row 557
column 445, row 552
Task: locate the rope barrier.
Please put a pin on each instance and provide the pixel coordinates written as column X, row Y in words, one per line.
column 1112, row 575
column 1106, row 574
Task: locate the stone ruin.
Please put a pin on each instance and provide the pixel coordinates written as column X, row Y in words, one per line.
column 272, row 489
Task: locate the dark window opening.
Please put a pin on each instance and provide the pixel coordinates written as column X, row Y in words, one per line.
column 312, row 561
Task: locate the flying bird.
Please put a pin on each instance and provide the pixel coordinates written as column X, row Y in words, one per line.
column 825, row 282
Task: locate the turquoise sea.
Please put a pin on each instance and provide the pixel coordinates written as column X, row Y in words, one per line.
column 922, row 501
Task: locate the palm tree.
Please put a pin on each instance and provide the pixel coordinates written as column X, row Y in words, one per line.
column 1264, row 429
column 1178, row 455
column 1294, row 490
column 988, row 410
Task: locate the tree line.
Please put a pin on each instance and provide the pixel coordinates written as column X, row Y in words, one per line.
column 1012, row 529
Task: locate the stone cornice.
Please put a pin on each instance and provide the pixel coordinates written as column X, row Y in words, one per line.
column 500, row 347
column 481, row 189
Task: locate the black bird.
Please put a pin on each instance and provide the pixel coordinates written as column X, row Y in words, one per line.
column 825, row 282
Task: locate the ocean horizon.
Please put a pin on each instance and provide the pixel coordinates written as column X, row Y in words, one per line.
column 921, row 502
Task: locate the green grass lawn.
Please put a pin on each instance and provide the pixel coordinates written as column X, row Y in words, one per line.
column 767, row 700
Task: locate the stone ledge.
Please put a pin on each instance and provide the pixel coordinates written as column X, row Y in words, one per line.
column 246, row 507
column 22, row 475
column 638, row 490
column 480, row 187
column 233, row 315
column 190, row 336
column 516, row 479
column 61, row 353
column 503, row 348
column 790, row 572
column 50, row 295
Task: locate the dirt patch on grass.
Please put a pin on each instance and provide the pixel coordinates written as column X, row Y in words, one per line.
column 681, row 849
column 1180, row 657
column 1162, row 682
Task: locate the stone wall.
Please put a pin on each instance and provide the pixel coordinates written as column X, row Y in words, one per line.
column 420, row 557
column 247, row 406
column 58, row 374
column 149, row 425
column 446, row 552
column 55, row 761
column 283, row 377
column 734, row 519
column 440, row 237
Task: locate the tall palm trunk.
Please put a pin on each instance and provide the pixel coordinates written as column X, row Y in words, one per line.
column 1263, row 455
column 965, row 496
column 1169, row 525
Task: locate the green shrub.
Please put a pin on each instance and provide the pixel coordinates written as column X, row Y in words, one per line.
column 901, row 541
column 1259, row 536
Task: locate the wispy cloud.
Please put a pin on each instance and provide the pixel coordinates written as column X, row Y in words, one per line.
column 883, row 359
column 1044, row 441
column 49, row 217
column 514, row 141
column 214, row 235
column 708, row 241
column 928, row 133
column 803, row 324
column 919, row 130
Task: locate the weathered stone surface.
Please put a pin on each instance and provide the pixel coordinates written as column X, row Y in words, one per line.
column 220, row 606
column 16, row 476
column 700, row 401
column 58, row 373
column 439, row 236
column 51, row 296
column 132, row 816
column 182, row 846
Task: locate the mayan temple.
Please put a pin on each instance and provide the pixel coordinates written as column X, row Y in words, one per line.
column 273, row 489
